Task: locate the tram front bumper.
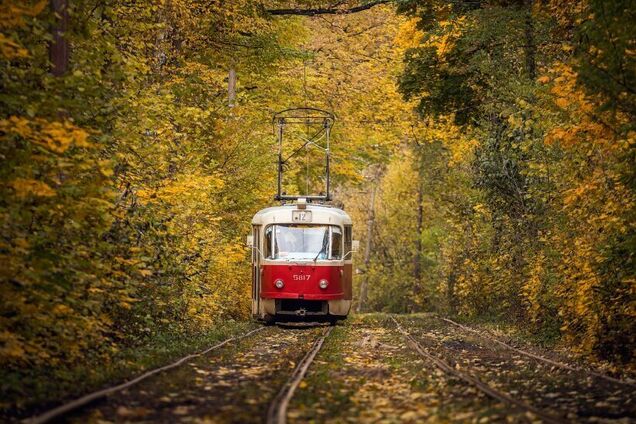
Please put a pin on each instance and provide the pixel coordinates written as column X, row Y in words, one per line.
column 303, row 307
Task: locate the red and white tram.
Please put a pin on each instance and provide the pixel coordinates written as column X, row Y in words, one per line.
column 301, row 250
column 301, row 262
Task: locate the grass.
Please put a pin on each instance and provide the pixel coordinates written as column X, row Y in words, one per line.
column 29, row 391
column 547, row 336
column 322, row 387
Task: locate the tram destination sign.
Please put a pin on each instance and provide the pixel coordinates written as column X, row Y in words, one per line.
column 301, row 216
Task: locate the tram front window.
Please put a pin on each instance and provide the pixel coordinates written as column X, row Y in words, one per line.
column 303, row 242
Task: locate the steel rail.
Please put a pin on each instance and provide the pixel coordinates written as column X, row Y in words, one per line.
column 485, row 388
column 277, row 412
column 77, row 403
column 537, row 357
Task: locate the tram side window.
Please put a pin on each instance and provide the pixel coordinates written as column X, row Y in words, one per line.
column 347, row 239
column 336, row 243
column 267, row 243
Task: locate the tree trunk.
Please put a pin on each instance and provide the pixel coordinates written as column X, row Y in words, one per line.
column 417, row 257
column 231, row 87
column 58, row 46
column 451, row 300
column 530, row 47
column 163, row 41
column 417, row 260
column 369, row 245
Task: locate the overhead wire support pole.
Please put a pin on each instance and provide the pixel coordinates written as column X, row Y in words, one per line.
column 281, row 125
column 327, row 126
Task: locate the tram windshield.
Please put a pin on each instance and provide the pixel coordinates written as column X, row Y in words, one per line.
column 303, row 242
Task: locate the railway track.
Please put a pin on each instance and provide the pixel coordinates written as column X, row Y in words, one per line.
column 252, row 381
column 84, row 400
column 535, row 356
column 475, row 382
column 277, row 412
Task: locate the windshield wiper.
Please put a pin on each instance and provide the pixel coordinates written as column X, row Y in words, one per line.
column 325, row 241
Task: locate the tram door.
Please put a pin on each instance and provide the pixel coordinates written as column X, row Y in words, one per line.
column 256, row 271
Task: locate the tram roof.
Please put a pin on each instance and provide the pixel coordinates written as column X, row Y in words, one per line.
column 321, row 214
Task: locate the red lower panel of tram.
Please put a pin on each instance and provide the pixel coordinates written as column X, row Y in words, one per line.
column 303, row 282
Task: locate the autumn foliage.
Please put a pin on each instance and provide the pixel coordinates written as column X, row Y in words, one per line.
column 127, row 182
column 499, row 137
column 523, row 160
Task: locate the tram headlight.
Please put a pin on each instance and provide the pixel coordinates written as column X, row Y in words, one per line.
column 323, row 284
column 279, row 284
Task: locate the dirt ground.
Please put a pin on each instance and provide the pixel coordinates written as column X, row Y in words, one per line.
column 367, row 372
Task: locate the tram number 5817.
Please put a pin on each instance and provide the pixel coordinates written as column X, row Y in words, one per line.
column 301, row 277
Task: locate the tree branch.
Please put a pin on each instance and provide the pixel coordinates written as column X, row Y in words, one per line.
column 327, row 11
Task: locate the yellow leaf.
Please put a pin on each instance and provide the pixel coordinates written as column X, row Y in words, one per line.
column 105, row 168
column 25, row 187
column 11, row 346
column 61, row 310
column 562, row 102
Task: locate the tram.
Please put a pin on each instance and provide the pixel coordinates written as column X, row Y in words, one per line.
column 302, row 249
